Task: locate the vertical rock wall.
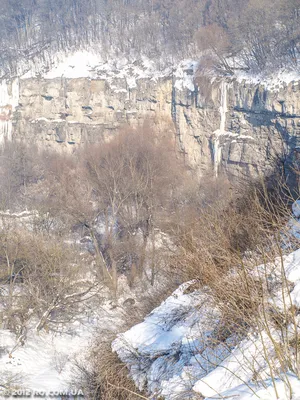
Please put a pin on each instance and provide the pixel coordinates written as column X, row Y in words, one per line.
column 222, row 125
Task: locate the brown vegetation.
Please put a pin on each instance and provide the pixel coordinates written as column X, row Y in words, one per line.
column 106, row 377
column 258, row 33
column 225, row 238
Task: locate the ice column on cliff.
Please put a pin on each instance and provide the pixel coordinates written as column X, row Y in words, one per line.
column 217, row 150
column 9, row 100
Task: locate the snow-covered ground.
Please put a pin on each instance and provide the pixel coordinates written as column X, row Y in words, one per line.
column 45, row 362
column 173, row 353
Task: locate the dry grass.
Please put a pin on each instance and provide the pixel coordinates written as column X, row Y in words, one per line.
column 108, row 377
column 102, row 375
column 218, row 239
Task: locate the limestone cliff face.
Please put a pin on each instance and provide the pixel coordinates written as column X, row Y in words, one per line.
column 65, row 113
column 238, row 127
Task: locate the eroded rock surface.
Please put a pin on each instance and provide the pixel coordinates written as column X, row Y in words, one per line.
column 225, row 124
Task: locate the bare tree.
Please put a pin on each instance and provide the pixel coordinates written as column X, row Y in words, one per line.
column 41, row 280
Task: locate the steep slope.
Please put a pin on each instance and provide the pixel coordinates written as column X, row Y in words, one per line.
column 175, row 352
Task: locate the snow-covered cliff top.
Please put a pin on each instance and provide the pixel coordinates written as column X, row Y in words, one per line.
column 91, row 64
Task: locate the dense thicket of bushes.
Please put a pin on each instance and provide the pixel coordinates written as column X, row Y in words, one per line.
column 257, row 33
column 115, row 197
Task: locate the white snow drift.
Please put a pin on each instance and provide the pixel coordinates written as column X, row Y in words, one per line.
column 173, row 354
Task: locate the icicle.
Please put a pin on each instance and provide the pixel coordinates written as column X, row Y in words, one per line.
column 4, row 95
column 15, row 93
column 9, row 100
column 217, row 150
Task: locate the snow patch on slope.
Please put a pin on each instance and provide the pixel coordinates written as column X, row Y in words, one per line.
column 250, row 391
column 164, row 352
column 173, row 352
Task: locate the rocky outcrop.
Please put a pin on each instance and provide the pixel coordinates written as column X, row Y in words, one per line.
column 65, row 113
column 228, row 125
column 239, row 127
